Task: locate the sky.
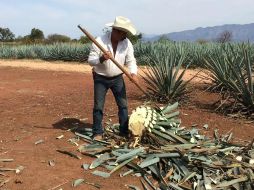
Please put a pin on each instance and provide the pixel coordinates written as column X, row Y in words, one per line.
column 149, row 16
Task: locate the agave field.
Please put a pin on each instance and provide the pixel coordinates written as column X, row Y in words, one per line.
column 229, row 66
column 162, row 151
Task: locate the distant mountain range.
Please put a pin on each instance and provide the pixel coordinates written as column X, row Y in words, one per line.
column 240, row 32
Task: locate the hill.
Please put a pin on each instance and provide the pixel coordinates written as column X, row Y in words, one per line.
column 244, row 32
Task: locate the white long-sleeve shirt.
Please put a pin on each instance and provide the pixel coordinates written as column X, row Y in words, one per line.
column 124, row 55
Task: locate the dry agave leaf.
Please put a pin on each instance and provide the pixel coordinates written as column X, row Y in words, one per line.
column 131, row 154
column 169, row 108
column 234, row 181
column 51, row 163
column 166, row 155
column 175, row 186
column 122, row 164
column 84, row 136
column 83, row 119
column 97, row 162
column 69, row 153
column 109, row 167
column 126, row 173
column 149, row 162
column 132, row 187
column 59, row 185
column 85, row 166
column 19, row 169
column 163, row 135
column 98, row 186
column 178, row 138
column 146, row 163
column 77, row 182
column 144, row 185
column 171, row 115
column 92, row 149
column 6, row 160
column 207, row 181
column 60, row 137
column 149, row 182
column 94, row 146
column 205, row 126
column 101, row 174
column 7, row 169
column 74, row 141
column 156, row 169
column 172, row 147
column 39, row 141
column 135, row 142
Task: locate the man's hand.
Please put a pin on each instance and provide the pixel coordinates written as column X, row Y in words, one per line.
column 105, row 56
column 134, row 77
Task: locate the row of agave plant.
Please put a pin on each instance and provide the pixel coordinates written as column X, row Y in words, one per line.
column 230, row 68
column 79, row 52
column 58, row 51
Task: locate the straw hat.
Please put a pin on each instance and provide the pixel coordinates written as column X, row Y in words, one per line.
column 124, row 24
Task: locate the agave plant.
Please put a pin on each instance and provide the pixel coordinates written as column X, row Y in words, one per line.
column 232, row 69
column 218, row 64
column 164, row 77
column 242, row 87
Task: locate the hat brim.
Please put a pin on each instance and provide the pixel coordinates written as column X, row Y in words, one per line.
column 131, row 30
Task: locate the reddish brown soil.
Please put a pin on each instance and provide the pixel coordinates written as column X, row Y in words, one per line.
column 32, row 106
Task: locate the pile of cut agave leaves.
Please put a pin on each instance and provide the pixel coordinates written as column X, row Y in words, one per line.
column 167, row 156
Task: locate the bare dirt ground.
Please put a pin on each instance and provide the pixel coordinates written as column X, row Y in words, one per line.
column 35, row 96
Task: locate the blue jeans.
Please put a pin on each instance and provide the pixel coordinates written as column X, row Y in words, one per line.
column 117, row 86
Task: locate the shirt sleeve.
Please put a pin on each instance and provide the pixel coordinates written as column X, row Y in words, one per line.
column 130, row 60
column 94, row 55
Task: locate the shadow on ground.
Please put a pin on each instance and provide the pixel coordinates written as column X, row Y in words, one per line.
column 72, row 124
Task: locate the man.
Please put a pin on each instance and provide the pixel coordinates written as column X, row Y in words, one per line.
column 107, row 75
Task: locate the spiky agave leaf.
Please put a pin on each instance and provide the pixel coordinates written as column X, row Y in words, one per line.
column 164, row 78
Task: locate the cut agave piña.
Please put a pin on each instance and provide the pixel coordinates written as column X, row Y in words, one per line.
column 147, row 118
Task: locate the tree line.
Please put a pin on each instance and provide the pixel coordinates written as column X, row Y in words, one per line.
column 37, row 36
